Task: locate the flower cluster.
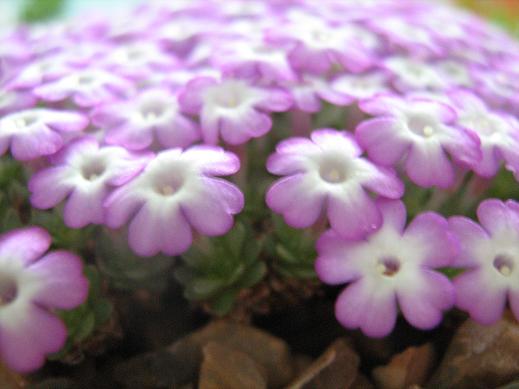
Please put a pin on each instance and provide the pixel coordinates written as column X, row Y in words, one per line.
column 132, row 121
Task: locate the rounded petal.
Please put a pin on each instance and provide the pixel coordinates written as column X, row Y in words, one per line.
column 129, row 137
column 382, row 140
column 327, row 138
column 182, row 132
column 156, row 229
column 240, row 128
column 353, row 214
column 119, row 206
column 495, row 217
column 213, row 160
column 276, row 100
column 24, row 244
column 429, row 232
column 49, row 187
column 393, row 213
column 335, row 266
column 84, row 207
column 367, row 306
column 40, row 142
column 427, row 165
column 477, row 294
column 299, row 204
column 470, row 235
column 191, row 97
column 210, row 211
column 27, row 335
column 384, row 182
column 66, row 121
column 424, row 299
column 60, row 281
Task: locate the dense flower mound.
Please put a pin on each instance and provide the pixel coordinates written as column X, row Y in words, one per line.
column 154, row 122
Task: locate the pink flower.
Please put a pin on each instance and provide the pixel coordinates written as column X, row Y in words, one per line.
column 175, row 191
column 327, row 174
column 490, row 252
column 418, row 131
column 231, row 108
column 136, row 122
column 32, row 285
column 85, row 87
column 391, row 267
column 84, row 174
column 37, row 132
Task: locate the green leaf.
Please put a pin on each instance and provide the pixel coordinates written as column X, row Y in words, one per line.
column 223, row 304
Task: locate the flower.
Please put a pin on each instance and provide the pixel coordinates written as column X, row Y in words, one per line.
column 361, row 86
column 32, row 284
column 232, row 108
column 315, row 45
column 327, row 173
column 420, row 131
column 37, row 132
column 83, row 173
column 134, row 123
column 490, row 251
column 86, row 87
column 391, row 266
column 308, row 93
column 498, row 132
column 177, row 190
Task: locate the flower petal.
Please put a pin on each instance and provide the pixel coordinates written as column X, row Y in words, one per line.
column 367, row 306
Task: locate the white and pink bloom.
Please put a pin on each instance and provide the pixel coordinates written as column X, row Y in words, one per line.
column 33, row 133
column 177, row 190
column 32, row 285
column 85, row 87
column 419, row 132
column 84, row 173
column 153, row 114
column 391, row 268
column 490, row 252
column 326, row 173
column 498, row 132
column 232, row 109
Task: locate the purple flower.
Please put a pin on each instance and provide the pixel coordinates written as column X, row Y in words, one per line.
column 83, row 173
column 175, row 191
column 153, row 113
column 327, row 173
column 361, row 86
column 308, row 93
column 491, row 254
column 32, row 285
column 138, row 60
column 316, row 45
column 86, row 88
column 253, row 60
column 390, row 267
column 37, row 132
column 232, row 108
column 413, row 74
column 498, row 132
column 420, row 131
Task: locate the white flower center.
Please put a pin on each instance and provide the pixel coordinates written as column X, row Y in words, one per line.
column 388, row 266
column 85, row 79
column 230, row 94
column 422, row 125
column 152, row 110
column 333, row 171
column 8, row 290
column 504, row 265
column 93, row 170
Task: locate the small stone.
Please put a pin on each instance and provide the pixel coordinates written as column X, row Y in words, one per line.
column 336, row 368
column 480, row 356
column 54, row 383
column 268, row 351
column 224, row 367
column 10, row 379
column 411, row 367
column 160, row 369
